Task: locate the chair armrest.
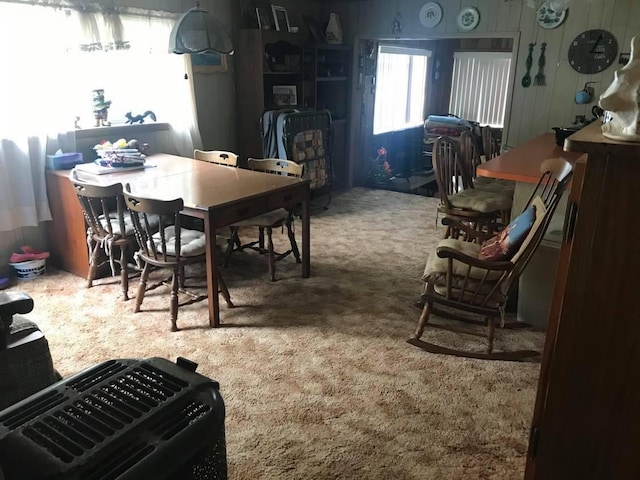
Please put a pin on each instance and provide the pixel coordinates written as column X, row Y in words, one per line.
column 448, row 252
column 470, row 233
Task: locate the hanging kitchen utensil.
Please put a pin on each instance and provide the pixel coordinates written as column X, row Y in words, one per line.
column 540, row 79
column 526, row 80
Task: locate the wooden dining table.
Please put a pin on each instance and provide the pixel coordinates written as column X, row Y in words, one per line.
column 219, row 195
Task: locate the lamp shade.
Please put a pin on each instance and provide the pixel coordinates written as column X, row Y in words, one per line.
column 196, row 31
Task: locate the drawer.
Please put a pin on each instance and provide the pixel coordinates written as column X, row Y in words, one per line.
column 287, row 199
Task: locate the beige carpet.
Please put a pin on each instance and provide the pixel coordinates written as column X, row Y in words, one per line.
column 317, row 376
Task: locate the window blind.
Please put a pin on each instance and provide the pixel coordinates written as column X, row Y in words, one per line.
column 479, row 86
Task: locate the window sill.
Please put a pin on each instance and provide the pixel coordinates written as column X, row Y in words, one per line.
column 121, row 131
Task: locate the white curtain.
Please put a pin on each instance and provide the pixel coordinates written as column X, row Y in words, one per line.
column 52, row 59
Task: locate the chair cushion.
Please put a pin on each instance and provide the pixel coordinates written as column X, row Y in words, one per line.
column 154, row 221
column 504, row 244
column 496, row 185
column 270, row 219
column 437, row 265
column 192, row 242
column 480, row 201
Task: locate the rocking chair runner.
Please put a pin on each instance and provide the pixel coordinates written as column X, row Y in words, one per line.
column 465, row 284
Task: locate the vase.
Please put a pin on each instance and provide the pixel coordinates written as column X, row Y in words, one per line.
column 333, row 33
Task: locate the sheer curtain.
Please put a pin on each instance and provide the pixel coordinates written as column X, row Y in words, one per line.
column 52, row 59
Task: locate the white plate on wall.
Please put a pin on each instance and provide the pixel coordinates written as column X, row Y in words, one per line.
column 430, row 14
column 548, row 17
column 468, row 19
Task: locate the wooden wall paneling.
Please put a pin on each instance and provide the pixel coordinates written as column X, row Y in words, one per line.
column 567, row 79
column 631, row 22
column 515, row 12
column 499, row 17
column 522, row 97
column 450, row 15
column 553, row 39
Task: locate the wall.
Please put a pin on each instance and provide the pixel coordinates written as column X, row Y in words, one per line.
column 535, row 109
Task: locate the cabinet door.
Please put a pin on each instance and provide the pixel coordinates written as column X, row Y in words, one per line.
column 588, row 408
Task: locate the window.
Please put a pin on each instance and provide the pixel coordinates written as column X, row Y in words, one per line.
column 48, row 77
column 479, row 87
column 400, row 88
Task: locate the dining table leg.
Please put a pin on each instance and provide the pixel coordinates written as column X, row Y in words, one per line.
column 212, row 278
column 306, row 237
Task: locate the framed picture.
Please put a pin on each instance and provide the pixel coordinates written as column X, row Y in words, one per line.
column 208, row 62
column 280, row 18
column 285, row 95
column 264, row 21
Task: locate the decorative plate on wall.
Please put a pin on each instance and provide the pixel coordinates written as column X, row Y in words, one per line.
column 468, row 19
column 548, row 17
column 430, row 14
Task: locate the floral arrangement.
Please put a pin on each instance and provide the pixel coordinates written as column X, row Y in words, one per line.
column 381, row 169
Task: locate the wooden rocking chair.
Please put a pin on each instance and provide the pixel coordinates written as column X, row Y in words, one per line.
column 467, row 286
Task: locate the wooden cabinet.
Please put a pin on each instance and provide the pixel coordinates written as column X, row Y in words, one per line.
column 67, row 232
column 586, row 422
column 265, row 59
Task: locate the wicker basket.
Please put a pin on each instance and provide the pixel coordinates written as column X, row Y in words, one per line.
column 29, row 269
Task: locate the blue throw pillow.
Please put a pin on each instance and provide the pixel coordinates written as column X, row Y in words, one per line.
column 506, row 243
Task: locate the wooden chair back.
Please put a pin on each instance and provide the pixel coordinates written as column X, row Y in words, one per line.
column 220, row 157
column 142, row 211
column 470, row 152
column 490, row 144
column 450, row 171
column 97, row 203
column 276, row 166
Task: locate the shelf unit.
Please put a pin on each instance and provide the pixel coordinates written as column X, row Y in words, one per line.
column 327, row 70
column 264, row 60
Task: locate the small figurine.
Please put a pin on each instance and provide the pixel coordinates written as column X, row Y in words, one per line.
column 140, row 118
column 100, row 108
column 622, row 99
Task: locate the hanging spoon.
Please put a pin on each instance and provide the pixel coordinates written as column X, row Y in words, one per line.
column 526, row 80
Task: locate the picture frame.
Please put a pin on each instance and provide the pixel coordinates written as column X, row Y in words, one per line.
column 285, row 95
column 208, row 63
column 264, row 20
column 280, row 18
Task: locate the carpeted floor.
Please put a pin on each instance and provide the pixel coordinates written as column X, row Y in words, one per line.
column 316, row 374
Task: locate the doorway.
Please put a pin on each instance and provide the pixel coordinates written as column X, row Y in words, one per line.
column 452, row 84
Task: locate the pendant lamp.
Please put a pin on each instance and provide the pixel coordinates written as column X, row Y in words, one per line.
column 196, row 31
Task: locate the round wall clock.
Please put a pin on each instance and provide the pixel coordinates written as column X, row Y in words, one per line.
column 430, row 14
column 593, row 51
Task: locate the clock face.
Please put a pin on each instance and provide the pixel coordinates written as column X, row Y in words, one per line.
column 593, row 51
